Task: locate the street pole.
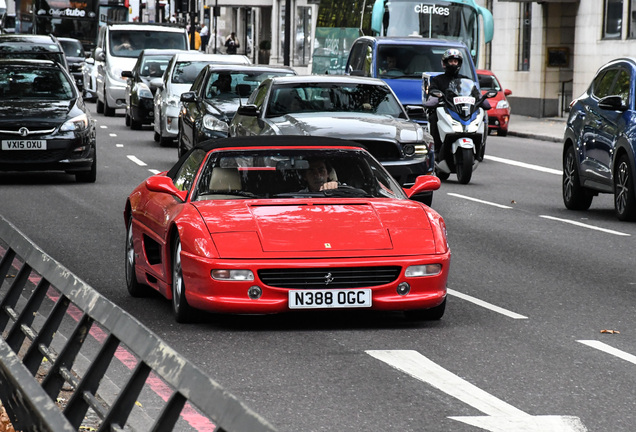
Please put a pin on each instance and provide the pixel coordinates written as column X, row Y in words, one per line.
column 287, row 32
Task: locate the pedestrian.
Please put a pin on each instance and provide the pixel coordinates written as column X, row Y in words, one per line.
column 205, row 36
column 231, row 44
column 173, row 18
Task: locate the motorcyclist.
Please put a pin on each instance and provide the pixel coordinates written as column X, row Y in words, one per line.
column 452, row 60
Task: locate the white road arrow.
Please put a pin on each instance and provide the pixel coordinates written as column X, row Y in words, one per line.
column 500, row 415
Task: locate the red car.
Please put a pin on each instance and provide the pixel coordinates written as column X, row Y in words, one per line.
column 499, row 114
column 271, row 224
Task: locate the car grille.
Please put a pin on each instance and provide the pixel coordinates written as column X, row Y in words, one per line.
column 33, row 156
column 339, row 277
column 382, row 150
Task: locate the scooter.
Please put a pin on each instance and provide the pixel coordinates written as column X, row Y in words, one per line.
column 462, row 125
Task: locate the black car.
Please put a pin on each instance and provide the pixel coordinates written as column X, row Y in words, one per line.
column 75, row 57
column 214, row 97
column 44, row 124
column 142, row 84
column 30, row 46
column 600, row 141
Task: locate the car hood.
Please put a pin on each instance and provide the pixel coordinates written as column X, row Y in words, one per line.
column 319, row 228
column 29, row 113
column 346, row 125
column 224, row 107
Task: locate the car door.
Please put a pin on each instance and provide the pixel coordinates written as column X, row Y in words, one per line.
column 595, row 131
column 192, row 112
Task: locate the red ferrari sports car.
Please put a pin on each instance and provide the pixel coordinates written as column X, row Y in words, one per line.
column 271, row 224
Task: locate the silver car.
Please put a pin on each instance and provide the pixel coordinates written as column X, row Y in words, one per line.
column 178, row 78
column 359, row 109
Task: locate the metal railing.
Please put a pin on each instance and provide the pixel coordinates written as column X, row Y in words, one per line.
column 52, row 323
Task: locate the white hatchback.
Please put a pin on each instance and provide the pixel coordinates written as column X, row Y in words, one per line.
column 178, row 78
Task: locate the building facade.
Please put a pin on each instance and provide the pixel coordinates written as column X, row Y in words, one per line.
column 547, row 52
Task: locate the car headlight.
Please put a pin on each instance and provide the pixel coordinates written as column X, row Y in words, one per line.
column 143, row 91
column 173, row 101
column 423, row 270
column 212, row 123
column 75, row 124
column 503, row 104
column 232, row 275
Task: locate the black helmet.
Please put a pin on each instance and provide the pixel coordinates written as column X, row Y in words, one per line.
column 452, row 53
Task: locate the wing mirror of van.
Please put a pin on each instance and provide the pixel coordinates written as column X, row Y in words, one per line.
column 99, row 54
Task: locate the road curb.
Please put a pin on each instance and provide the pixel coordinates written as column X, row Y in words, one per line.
column 535, row 136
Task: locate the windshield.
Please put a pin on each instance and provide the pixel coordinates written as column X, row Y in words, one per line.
column 333, row 97
column 72, row 48
column 286, row 173
column 33, row 83
column 154, row 66
column 126, row 43
column 489, row 82
column 236, row 83
column 185, row 72
column 410, row 61
column 442, row 20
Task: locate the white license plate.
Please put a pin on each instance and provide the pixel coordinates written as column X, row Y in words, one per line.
column 23, row 144
column 329, row 298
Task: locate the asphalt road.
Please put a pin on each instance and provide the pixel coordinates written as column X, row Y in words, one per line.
column 531, row 287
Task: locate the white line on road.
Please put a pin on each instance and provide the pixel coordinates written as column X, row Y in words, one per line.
column 592, row 227
column 112, row 135
column 524, row 165
column 119, row 145
column 486, row 305
column 479, row 201
column 136, row 160
column 103, row 127
column 610, row 350
column 154, row 171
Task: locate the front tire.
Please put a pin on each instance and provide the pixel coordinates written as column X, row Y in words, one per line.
column 464, row 165
column 108, row 111
column 182, row 311
column 575, row 196
column 624, row 198
column 135, row 289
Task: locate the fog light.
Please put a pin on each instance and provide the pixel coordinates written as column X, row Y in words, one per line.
column 408, row 149
column 232, row 275
column 254, row 292
column 403, row 288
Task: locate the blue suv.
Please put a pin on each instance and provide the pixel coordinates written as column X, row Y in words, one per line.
column 600, row 141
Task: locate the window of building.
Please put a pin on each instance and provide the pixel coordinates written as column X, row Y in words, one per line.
column 525, row 26
column 612, row 19
column 302, row 49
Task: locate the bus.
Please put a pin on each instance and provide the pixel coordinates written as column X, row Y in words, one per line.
column 340, row 22
column 69, row 18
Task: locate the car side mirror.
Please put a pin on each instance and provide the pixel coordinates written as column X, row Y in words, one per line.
column 188, row 97
column 416, row 112
column 424, row 183
column 90, row 60
column 99, row 54
column 249, row 110
column 163, row 184
column 126, row 74
column 612, row 103
column 507, row 92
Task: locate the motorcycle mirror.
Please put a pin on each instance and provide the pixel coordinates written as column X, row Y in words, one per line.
column 436, row 93
column 491, row 94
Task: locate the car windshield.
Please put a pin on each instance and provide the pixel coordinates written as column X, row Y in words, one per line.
column 287, row 174
column 154, row 66
column 34, row 83
column 236, row 83
column 489, row 82
column 130, row 43
column 72, row 48
column 185, row 72
column 333, row 97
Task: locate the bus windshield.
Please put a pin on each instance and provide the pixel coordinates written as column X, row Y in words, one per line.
column 452, row 21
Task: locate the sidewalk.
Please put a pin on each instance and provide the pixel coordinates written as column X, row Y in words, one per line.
column 546, row 129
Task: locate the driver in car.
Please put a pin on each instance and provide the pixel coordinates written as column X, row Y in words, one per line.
column 317, row 176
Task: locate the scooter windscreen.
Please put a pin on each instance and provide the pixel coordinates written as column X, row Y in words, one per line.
column 463, row 94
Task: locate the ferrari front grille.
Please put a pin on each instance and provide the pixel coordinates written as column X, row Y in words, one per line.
column 337, row 278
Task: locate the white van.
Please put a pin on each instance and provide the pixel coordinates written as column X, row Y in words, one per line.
column 118, row 46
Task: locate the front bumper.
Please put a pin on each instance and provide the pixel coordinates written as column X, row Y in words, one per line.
column 143, row 111
column 202, row 292
column 69, row 155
